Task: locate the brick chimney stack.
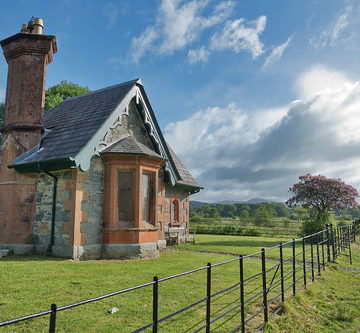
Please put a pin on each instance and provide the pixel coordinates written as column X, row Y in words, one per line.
column 27, row 54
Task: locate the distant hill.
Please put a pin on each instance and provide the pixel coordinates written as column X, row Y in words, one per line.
column 257, row 200
column 196, row 204
column 228, row 202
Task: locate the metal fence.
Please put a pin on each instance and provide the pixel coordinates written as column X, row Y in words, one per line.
column 258, row 297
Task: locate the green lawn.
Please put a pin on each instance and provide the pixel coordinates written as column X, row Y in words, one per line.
column 239, row 245
column 31, row 284
column 330, row 304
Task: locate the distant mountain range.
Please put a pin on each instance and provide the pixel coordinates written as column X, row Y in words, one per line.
column 196, row 204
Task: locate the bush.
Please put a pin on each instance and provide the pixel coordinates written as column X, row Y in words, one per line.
column 252, row 232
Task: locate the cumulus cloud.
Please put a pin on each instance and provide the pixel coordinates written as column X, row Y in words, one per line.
column 276, row 53
column 240, row 35
column 178, row 24
column 238, row 154
column 198, row 55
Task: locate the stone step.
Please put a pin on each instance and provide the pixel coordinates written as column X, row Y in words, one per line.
column 4, row 252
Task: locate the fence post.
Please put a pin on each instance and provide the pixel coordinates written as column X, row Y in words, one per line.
column 242, row 294
column 208, row 297
column 52, row 325
column 332, row 240
column 263, row 266
column 312, row 261
column 349, row 247
column 328, row 242
column 304, row 260
column 282, row 273
column 293, row 251
column 354, row 232
column 322, row 250
column 318, row 258
column 340, row 236
column 155, row 303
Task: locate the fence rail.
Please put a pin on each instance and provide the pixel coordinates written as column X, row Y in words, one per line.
column 259, row 295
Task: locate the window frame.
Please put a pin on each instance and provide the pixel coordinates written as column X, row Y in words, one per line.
column 176, row 221
column 133, row 190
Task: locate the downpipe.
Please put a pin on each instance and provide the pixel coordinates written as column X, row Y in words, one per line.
column 53, row 211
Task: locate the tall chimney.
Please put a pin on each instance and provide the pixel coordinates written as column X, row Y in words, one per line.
column 27, row 54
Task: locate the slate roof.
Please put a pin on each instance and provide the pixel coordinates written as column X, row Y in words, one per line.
column 186, row 177
column 71, row 124
column 128, row 145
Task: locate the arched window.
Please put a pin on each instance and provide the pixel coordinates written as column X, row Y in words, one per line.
column 175, row 212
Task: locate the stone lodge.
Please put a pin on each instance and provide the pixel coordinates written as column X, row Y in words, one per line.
column 94, row 176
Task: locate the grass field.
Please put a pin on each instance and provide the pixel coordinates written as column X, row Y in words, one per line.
column 31, row 284
column 238, row 245
column 330, row 304
column 280, row 226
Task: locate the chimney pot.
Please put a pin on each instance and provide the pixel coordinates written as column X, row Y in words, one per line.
column 30, row 25
column 38, row 26
column 24, row 28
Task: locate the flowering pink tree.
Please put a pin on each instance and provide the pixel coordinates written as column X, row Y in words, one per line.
column 322, row 195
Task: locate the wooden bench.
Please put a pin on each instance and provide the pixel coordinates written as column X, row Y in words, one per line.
column 173, row 235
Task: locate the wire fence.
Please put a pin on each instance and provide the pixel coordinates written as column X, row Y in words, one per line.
column 248, row 302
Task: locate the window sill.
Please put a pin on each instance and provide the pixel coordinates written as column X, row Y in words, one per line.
column 129, row 229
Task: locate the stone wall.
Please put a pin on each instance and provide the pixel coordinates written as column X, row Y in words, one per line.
column 183, row 228
column 78, row 218
column 44, row 199
column 91, row 227
column 131, row 125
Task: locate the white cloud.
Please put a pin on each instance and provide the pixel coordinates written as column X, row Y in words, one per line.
column 143, row 43
column 338, row 31
column 319, row 81
column 198, row 55
column 178, row 24
column 183, row 24
column 339, row 26
column 238, row 154
column 276, row 53
column 240, row 35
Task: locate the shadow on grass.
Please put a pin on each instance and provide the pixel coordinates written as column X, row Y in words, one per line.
column 32, row 257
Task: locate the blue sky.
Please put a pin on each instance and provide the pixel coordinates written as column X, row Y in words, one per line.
column 250, row 94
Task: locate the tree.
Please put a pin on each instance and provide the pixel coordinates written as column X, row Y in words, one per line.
column 321, row 195
column 228, row 211
column 58, row 93
column 263, row 215
column 213, row 212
